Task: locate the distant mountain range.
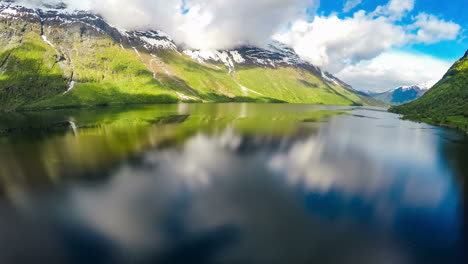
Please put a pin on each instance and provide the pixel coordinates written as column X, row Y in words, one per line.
column 403, row 94
column 51, row 57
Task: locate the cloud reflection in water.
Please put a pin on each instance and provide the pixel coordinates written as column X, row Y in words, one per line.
column 229, row 197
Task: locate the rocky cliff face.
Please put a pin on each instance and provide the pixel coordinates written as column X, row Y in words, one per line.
column 51, row 57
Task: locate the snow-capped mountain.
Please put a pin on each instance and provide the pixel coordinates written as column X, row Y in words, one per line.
column 274, row 54
column 421, row 86
column 403, row 94
column 87, row 50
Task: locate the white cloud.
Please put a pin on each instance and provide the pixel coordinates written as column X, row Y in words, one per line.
column 340, row 44
column 430, row 29
column 350, row 5
column 208, row 24
column 230, row 23
column 332, row 42
column 393, row 69
column 395, row 9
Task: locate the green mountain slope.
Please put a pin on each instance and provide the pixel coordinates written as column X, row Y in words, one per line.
column 446, row 103
column 55, row 60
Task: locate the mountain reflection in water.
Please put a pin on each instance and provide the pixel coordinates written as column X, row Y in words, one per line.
column 230, row 183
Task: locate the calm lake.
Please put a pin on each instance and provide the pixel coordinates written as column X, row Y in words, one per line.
column 230, row 183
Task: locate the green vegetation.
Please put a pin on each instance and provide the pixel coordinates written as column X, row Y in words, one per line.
column 446, row 103
column 29, row 73
column 292, row 85
column 52, row 143
column 75, row 69
column 109, row 75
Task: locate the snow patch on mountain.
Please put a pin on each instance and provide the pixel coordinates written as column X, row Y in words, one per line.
column 224, row 57
column 237, row 57
column 71, row 86
column 422, row 86
column 186, row 97
column 44, row 38
column 247, row 90
column 325, row 76
column 427, row 85
column 163, row 44
column 273, row 55
column 153, row 39
column 10, row 11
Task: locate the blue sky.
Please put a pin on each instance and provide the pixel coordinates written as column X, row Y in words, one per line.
column 451, row 10
column 379, row 45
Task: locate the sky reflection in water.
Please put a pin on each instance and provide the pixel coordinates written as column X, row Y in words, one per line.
column 239, row 183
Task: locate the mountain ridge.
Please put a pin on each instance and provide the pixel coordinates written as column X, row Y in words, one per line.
column 90, row 62
column 402, row 94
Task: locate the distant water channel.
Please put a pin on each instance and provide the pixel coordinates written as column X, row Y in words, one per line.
column 230, row 183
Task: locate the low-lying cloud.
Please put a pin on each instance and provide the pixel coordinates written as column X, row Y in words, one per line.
column 392, row 69
column 200, row 24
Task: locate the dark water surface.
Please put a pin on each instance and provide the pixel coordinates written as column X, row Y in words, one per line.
column 230, row 183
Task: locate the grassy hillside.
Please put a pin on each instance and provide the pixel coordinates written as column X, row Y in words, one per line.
column 446, row 103
column 71, row 65
column 29, row 73
column 293, row 85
